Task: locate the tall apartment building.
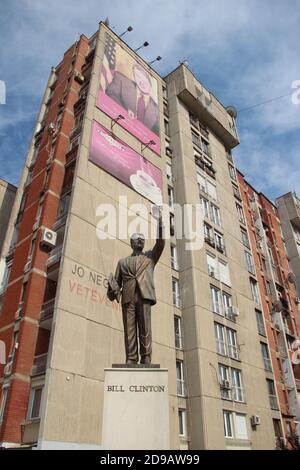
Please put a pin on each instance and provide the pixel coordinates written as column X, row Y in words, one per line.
column 110, row 127
column 277, row 312
column 289, row 212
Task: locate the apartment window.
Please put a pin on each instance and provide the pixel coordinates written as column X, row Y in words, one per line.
column 268, row 288
column 232, row 172
column 228, row 425
column 249, row 262
column 174, row 261
column 201, row 182
column 180, row 378
column 245, row 238
column 219, row 240
column 204, row 206
column 215, row 215
column 211, row 189
column 172, row 225
column 240, row 213
column 240, row 426
column 205, row 146
column 178, row 332
column 167, row 128
column 224, row 377
column 216, row 300
column 272, row 395
column 164, row 92
column 227, row 303
column 182, row 423
column 6, row 275
column 206, row 186
column 169, row 172
column 171, row 196
column 254, row 290
column 196, row 139
column 237, row 385
column 64, row 205
column 3, row 403
column 277, row 428
column 166, row 110
column 212, row 264
column 232, row 346
column 209, row 234
column 236, row 191
column 266, row 357
column 224, row 273
column 260, row 323
column 35, row 402
column 175, row 290
column 220, row 339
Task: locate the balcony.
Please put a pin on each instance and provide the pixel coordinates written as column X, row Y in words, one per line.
column 47, row 310
column 54, row 256
column 39, row 365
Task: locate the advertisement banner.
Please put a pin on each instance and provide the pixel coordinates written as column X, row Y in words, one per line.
column 127, row 89
column 115, row 157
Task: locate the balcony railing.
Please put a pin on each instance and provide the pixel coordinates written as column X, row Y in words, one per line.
column 47, row 310
column 229, row 313
column 54, row 255
column 39, row 364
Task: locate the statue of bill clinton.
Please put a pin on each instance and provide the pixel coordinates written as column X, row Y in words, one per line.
column 134, row 282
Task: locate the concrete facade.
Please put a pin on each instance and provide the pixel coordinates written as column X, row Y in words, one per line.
column 204, row 324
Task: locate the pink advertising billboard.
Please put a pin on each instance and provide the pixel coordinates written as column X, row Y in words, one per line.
column 127, row 89
column 115, row 157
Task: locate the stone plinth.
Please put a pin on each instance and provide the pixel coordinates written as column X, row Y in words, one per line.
column 136, row 412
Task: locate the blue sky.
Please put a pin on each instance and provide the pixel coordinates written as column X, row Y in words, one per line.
column 244, row 51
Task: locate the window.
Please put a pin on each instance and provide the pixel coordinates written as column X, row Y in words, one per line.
column 260, row 323
column 196, row 139
column 237, row 385
column 172, row 225
column 224, row 376
column 228, row 428
column 227, row 303
column 204, row 206
column 3, row 403
column 174, row 261
column 235, row 425
column 35, row 402
column 240, row 213
column 216, row 300
column 205, row 146
column 178, row 332
column 232, row 172
column 182, row 423
column 266, row 357
column 64, row 205
column 206, row 186
column 236, row 191
column 232, row 346
column 167, row 128
column 249, row 262
column 180, row 378
column 219, row 240
column 224, row 273
column 175, row 290
column 201, row 182
column 272, row 395
column 277, row 428
column 254, row 290
column 215, row 215
column 212, row 264
column 209, row 235
column 171, row 196
column 220, row 339
column 211, row 190
column 169, row 172
column 245, row 238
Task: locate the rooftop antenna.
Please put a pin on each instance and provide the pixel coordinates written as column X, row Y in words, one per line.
column 158, row 58
column 128, row 30
column 106, row 22
column 146, row 43
column 184, row 62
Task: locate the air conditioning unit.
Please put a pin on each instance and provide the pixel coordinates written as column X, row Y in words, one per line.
column 51, row 128
column 48, row 238
column 255, row 420
column 211, row 272
column 225, row 384
column 234, row 311
column 79, row 77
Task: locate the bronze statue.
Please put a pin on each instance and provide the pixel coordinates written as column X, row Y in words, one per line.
column 134, row 282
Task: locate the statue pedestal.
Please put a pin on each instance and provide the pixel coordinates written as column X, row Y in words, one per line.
column 136, row 411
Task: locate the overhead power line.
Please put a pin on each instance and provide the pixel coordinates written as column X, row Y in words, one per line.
column 265, row 102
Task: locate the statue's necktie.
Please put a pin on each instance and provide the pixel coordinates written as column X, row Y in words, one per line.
column 141, row 108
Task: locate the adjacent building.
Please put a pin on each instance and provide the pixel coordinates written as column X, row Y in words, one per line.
column 113, row 135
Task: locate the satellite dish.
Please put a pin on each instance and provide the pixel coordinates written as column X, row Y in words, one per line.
column 231, row 110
